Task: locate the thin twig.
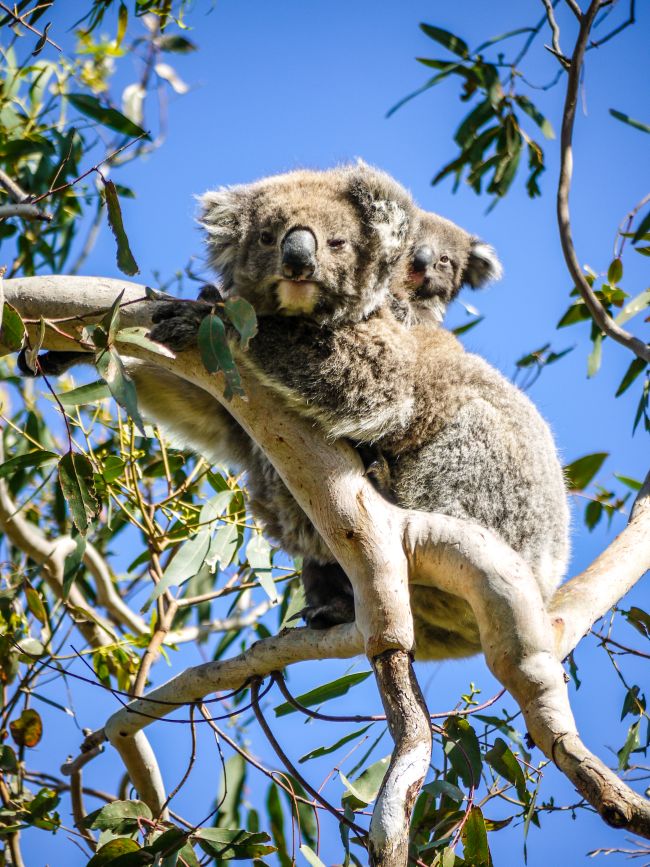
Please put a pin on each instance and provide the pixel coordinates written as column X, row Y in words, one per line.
column 19, row 19
column 600, row 316
column 555, row 30
column 627, row 23
column 26, row 211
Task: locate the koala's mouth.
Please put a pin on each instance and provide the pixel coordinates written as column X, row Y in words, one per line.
column 297, row 297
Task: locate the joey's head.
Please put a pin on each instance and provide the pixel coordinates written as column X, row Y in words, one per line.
column 323, row 245
column 441, row 259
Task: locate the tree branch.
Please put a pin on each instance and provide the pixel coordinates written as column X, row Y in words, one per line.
column 381, row 546
column 600, row 316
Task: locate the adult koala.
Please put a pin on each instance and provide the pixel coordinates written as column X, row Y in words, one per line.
column 457, row 437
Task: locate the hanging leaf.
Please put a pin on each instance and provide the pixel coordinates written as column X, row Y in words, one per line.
column 364, row 789
column 475, row 843
column 216, row 354
column 233, row 845
column 110, row 853
column 242, row 315
column 12, row 332
column 125, row 259
column 78, row 486
column 258, row 554
column 444, row 37
column 122, row 387
column 137, row 336
column 310, row 856
column 615, row 271
column 503, row 760
column 463, row 751
column 532, row 111
column 324, row 751
column 108, row 117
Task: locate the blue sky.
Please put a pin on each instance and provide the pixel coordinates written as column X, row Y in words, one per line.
column 285, row 84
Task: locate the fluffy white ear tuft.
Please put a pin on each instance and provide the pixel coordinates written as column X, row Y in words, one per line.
column 386, row 207
column 222, row 216
column 483, row 265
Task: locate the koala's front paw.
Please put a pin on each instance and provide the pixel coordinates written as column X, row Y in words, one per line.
column 176, row 323
column 339, row 609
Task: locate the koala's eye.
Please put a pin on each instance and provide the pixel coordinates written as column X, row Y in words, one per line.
column 444, row 260
column 336, row 243
column 266, row 237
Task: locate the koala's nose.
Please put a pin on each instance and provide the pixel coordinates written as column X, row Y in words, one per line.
column 299, row 254
column 422, row 258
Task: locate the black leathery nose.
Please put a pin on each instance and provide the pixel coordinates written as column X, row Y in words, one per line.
column 299, row 254
column 422, row 258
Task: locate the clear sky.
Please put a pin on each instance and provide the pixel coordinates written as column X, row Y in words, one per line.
column 276, row 85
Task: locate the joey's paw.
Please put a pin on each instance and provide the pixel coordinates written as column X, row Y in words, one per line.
column 176, row 323
column 211, row 294
column 338, row 610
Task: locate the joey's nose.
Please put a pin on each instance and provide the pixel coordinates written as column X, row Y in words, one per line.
column 299, row 254
column 422, row 258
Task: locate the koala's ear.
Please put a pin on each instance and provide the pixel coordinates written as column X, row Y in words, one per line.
column 385, row 206
column 223, row 216
column 482, row 266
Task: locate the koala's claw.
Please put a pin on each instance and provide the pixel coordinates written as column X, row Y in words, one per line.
column 337, row 610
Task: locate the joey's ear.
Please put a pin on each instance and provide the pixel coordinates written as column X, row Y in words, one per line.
column 385, row 206
column 223, row 216
column 482, row 265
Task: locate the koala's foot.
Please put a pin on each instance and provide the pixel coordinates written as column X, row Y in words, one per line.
column 176, row 323
column 339, row 609
column 53, row 363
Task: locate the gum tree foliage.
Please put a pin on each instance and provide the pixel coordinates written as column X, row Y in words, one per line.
column 86, row 475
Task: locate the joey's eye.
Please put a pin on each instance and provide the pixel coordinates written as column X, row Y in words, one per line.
column 266, row 237
column 336, row 243
column 444, row 260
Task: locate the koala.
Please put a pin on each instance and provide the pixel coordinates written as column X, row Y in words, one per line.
column 458, row 438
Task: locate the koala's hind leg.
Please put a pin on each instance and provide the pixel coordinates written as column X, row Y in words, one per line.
column 328, row 594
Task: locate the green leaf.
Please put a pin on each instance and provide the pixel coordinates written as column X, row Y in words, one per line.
column 644, row 226
column 8, row 760
column 578, row 312
column 22, row 462
column 216, row 354
column 90, row 393
column 475, row 843
column 634, row 703
column 532, row 111
column 324, row 751
column 112, row 468
column 120, row 816
column 334, row 689
column 593, row 513
column 310, row 856
column 122, row 387
column 444, row 37
column 231, row 791
column 125, row 259
column 35, row 604
column 12, row 332
column 233, row 845
column 463, row 329
column 632, row 743
column 629, row 120
column 636, row 367
column 639, row 619
column 579, row 473
column 111, row 851
column 258, row 554
column 615, row 271
column 276, row 825
column 175, row 43
column 122, row 22
column 78, row 486
column 595, row 356
column 502, row 759
column 510, row 33
column 73, row 564
column 108, row 117
column 27, row 730
column 364, row 789
column 444, row 789
column 634, row 484
column 184, row 565
column 224, row 545
column 242, row 315
column 463, row 751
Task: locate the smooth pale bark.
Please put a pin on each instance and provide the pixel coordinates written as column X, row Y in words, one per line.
column 381, row 547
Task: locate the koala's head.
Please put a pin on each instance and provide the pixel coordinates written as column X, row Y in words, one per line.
column 441, row 259
column 326, row 245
